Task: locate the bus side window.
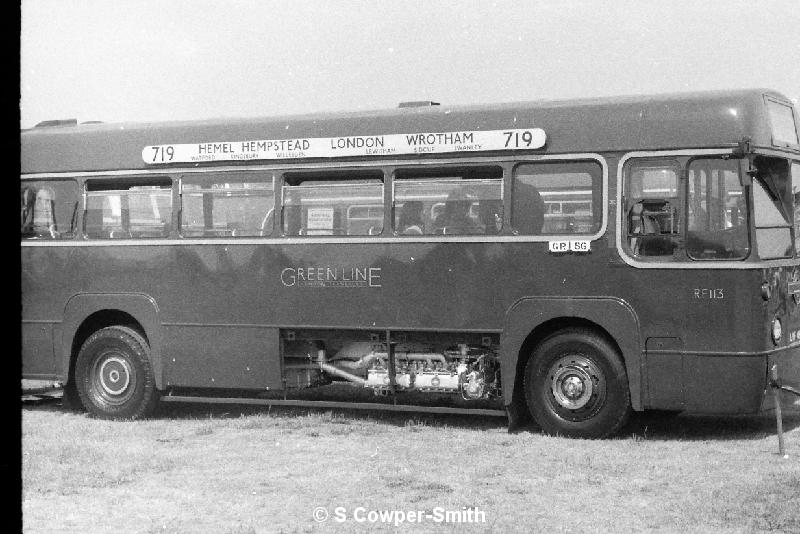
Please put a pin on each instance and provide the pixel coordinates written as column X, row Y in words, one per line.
column 227, row 204
column 125, row 209
column 448, row 201
column 48, row 209
column 553, row 198
column 338, row 203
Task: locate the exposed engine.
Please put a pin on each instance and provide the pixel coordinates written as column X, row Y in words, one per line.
column 472, row 372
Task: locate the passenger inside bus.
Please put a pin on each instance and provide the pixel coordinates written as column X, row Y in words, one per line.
column 410, row 222
column 528, row 209
column 491, row 214
column 456, row 219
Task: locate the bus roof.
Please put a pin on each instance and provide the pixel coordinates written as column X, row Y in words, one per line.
column 653, row 122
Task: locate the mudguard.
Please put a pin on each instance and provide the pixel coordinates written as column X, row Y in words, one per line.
column 612, row 314
column 141, row 307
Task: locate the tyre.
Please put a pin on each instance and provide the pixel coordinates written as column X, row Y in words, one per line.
column 576, row 385
column 113, row 374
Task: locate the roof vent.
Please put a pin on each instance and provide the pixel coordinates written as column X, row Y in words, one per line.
column 418, row 104
column 57, row 122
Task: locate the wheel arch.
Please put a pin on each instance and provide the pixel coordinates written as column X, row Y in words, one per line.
column 532, row 319
column 87, row 313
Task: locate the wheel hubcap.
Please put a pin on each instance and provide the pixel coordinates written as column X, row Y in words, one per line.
column 575, row 382
column 112, row 374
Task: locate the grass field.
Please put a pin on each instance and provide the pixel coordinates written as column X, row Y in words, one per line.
column 232, row 469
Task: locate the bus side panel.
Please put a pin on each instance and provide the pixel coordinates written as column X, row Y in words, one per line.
column 235, row 357
column 610, row 313
column 724, row 384
column 788, row 362
column 702, row 383
column 663, row 364
column 44, row 291
column 38, row 358
column 141, row 307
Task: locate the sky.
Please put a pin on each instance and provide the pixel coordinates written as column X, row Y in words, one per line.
column 143, row 60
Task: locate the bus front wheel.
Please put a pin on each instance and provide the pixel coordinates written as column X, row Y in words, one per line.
column 576, row 385
column 113, row 374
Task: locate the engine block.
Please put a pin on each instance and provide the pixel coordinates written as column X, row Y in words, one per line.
column 472, row 372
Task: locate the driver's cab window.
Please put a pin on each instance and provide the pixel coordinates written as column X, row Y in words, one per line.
column 652, row 207
column 717, row 211
column 686, row 208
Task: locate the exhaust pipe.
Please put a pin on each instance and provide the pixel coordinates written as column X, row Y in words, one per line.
column 330, row 369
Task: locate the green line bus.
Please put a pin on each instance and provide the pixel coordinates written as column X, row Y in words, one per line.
column 568, row 261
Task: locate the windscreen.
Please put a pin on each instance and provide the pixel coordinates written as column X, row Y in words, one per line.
column 773, row 208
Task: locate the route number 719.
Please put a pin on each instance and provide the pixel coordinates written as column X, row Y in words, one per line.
column 518, row 140
column 163, row 153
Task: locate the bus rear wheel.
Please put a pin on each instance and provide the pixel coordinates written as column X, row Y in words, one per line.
column 576, row 385
column 113, row 374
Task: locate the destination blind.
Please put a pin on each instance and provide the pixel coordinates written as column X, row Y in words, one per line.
column 360, row 145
